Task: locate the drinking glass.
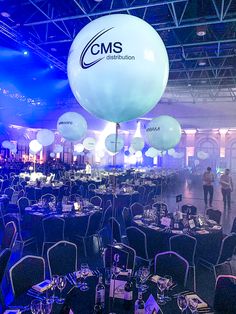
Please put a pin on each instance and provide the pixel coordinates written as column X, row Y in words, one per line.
column 169, row 283
column 78, row 278
column 84, row 269
column 35, row 306
column 144, row 276
column 61, row 283
column 107, row 276
column 46, row 306
column 53, row 287
column 182, row 303
column 161, row 286
column 193, row 304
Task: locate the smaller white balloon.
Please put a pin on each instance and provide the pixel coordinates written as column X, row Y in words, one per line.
column 138, row 154
column 72, row 126
column 171, row 152
column 79, row 148
column 89, row 143
column 6, row 144
column 137, row 143
column 45, row 137
column 35, row 146
column 196, row 162
column 114, row 143
column 202, row 155
column 58, row 148
column 52, row 155
column 131, row 150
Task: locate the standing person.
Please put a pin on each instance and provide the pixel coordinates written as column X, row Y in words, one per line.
column 208, row 180
column 88, row 168
column 226, row 188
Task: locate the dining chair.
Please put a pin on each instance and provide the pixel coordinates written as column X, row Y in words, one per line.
column 214, row 214
column 25, row 273
column 224, row 297
column 96, row 201
column 22, row 203
column 233, row 229
column 185, row 246
column 127, row 217
column 9, row 192
column 115, row 229
column 62, row 258
column 9, row 235
column 4, row 259
column 172, row 264
column 53, row 231
column 189, row 209
column 136, row 209
column 107, row 214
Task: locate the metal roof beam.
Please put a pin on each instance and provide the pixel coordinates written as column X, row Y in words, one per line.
column 203, row 43
column 91, row 14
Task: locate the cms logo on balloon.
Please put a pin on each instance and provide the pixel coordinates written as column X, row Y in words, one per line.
column 109, row 50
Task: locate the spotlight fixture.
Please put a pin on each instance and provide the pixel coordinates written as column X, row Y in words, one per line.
column 51, row 66
column 202, row 62
column 201, row 30
column 25, row 53
column 5, row 14
column 189, row 84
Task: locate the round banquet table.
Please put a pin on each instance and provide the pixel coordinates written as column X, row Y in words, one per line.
column 75, row 222
column 122, row 199
column 158, row 238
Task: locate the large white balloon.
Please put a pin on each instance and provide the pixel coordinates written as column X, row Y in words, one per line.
column 171, row 152
column 35, row 146
column 89, row 143
column 137, row 143
column 202, row 155
column 52, row 155
column 79, row 148
column 163, row 132
column 152, row 152
column 58, row 148
column 45, row 137
column 72, row 126
column 118, row 67
column 114, row 144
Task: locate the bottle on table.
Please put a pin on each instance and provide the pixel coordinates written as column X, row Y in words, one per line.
column 139, row 307
column 99, row 296
column 128, row 294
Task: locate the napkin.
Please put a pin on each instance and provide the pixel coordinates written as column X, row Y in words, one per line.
column 42, row 286
column 12, row 312
column 177, row 231
column 139, row 222
column 151, row 305
column 117, row 287
column 155, row 278
column 202, row 232
column 125, row 272
column 201, row 303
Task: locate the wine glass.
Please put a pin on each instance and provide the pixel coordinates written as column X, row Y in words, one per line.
column 193, row 304
column 144, row 276
column 35, row 306
column 169, row 283
column 161, row 286
column 84, row 270
column 61, row 283
column 46, row 306
column 182, row 303
column 53, row 287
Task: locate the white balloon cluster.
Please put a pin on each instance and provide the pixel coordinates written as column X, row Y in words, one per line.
column 35, row 147
column 58, row 149
column 137, row 143
column 45, row 137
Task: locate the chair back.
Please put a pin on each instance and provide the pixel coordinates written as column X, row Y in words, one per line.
column 172, row 264
column 9, row 192
column 96, row 201
column 234, row 226
column 138, row 241
column 28, row 271
column 9, row 235
column 115, row 228
column 131, row 255
column 21, row 193
column 93, row 223
column 74, row 198
column 53, row 229
column 22, row 203
column 48, row 197
column 214, row 214
column 62, row 258
column 141, row 189
column 225, row 292
column 189, row 209
column 4, row 258
column 46, row 190
column 136, row 209
column 127, row 217
column 106, row 216
column 185, row 246
column 227, row 248
column 30, row 193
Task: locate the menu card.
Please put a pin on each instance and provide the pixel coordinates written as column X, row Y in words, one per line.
column 117, row 289
column 201, row 303
column 151, row 305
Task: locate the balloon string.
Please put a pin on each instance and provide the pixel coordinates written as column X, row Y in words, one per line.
column 111, row 300
column 161, row 176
